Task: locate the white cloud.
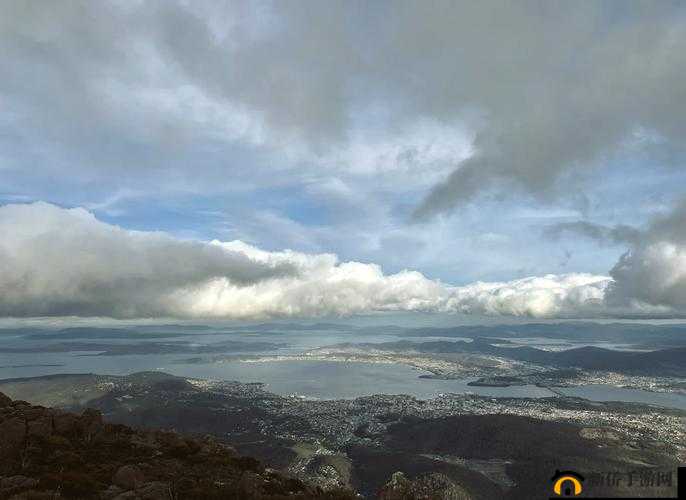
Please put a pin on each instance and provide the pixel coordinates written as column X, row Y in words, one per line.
column 651, row 279
column 58, row 262
column 552, row 295
column 64, row 262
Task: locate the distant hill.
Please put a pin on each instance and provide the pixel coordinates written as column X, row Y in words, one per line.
column 670, row 335
column 663, row 362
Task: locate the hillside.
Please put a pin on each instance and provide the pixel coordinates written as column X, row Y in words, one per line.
column 46, row 452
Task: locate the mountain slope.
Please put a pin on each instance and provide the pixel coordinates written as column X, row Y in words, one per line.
column 45, row 452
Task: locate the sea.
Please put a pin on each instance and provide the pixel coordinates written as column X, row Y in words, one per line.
column 268, row 360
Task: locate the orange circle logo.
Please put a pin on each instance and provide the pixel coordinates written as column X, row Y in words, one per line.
column 567, row 483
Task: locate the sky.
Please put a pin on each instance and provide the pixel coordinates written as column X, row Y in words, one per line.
column 250, row 160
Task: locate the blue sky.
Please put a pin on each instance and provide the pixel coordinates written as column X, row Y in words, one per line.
column 494, row 238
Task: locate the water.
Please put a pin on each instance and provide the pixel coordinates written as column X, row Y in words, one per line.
column 345, row 380
column 307, row 378
column 601, row 392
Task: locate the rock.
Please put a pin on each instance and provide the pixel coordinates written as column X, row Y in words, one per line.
column 154, row 491
column 5, row 400
column 17, row 482
column 13, row 432
column 128, row 477
column 91, row 423
column 434, row 486
column 111, row 492
column 250, row 485
column 33, row 412
column 127, row 495
column 36, row 495
column 398, row 488
column 185, row 483
column 65, row 423
column 92, row 416
column 40, row 428
column 170, row 439
column 73, row 456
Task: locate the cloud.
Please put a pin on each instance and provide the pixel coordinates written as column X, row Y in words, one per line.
column 651, row 275
column 544, row 89
column 566, row 295
column 332, row 121
column 563, row 88
column 649, row 279
column 64, row 262
column 56, row 261
column 61, row 262
column 619, row 234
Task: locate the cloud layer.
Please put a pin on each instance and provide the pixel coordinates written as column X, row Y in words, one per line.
column 544, row 89
column 327, row 126
column 567, row 295
column 57, row 262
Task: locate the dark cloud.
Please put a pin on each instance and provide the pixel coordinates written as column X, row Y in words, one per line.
column 619, row 234
column 563, row 86
column 652, row 273
column 548, row 87
column 62, row 262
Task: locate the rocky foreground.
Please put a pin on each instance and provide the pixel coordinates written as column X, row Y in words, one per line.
column 47, row 453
